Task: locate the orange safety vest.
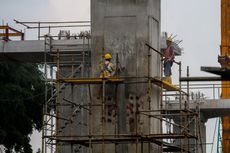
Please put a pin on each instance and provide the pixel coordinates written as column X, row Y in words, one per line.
column 168, row 53
column 108, row 70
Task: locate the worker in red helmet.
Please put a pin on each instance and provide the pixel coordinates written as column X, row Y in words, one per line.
column 107, row 68
column 168, row 60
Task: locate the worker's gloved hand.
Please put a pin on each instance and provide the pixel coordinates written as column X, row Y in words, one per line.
column 110, row 69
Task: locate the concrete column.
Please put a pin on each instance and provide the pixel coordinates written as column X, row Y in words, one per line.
column 72, row 118
column 200, row 147
column 122, row 27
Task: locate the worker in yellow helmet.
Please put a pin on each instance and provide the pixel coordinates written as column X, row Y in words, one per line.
column 107, row 68
column 108, row 56
column 168, row 60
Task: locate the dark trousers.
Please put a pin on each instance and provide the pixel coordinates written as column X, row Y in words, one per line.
column 167, row 68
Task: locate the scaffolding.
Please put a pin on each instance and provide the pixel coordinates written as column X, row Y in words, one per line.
column 75, row 61
column 69, row 122
column 9, row 32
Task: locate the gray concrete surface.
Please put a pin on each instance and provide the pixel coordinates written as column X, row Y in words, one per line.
column 122, row 28
column 33, row 50
column 208, row 108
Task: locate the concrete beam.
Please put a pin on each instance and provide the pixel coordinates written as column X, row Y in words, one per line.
column 208, row 108
column 33, row 50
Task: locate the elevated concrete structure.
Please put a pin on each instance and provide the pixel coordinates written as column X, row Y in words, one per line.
column 120, row 27
column 33, row 50
column 208, row 108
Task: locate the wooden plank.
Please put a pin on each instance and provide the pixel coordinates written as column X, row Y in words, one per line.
column 92, row 80
column 166, row 85
column 10, row 34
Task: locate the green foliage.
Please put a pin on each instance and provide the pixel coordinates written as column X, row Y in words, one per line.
column 22, row 89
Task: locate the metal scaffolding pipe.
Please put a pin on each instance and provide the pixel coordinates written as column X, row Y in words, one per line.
column 184, row 79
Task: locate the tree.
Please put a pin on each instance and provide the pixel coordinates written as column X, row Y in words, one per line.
column 22, row 90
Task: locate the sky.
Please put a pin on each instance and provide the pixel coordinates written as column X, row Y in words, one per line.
column 196, row 22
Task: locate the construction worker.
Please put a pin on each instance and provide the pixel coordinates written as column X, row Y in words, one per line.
column 169, row 56
column 107, row 68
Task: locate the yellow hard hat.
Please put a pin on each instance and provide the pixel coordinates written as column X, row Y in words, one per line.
column 108, row 56
column 169, row 39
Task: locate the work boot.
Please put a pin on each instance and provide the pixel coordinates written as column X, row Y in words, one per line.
column 168, row 79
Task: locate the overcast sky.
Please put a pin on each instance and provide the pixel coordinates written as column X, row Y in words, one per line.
column 196, row 22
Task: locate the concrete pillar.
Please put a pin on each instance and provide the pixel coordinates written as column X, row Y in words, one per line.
column 78, row 116
column 202, row 138
column 72, row 119
column 122, row 27
column 198, row 146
